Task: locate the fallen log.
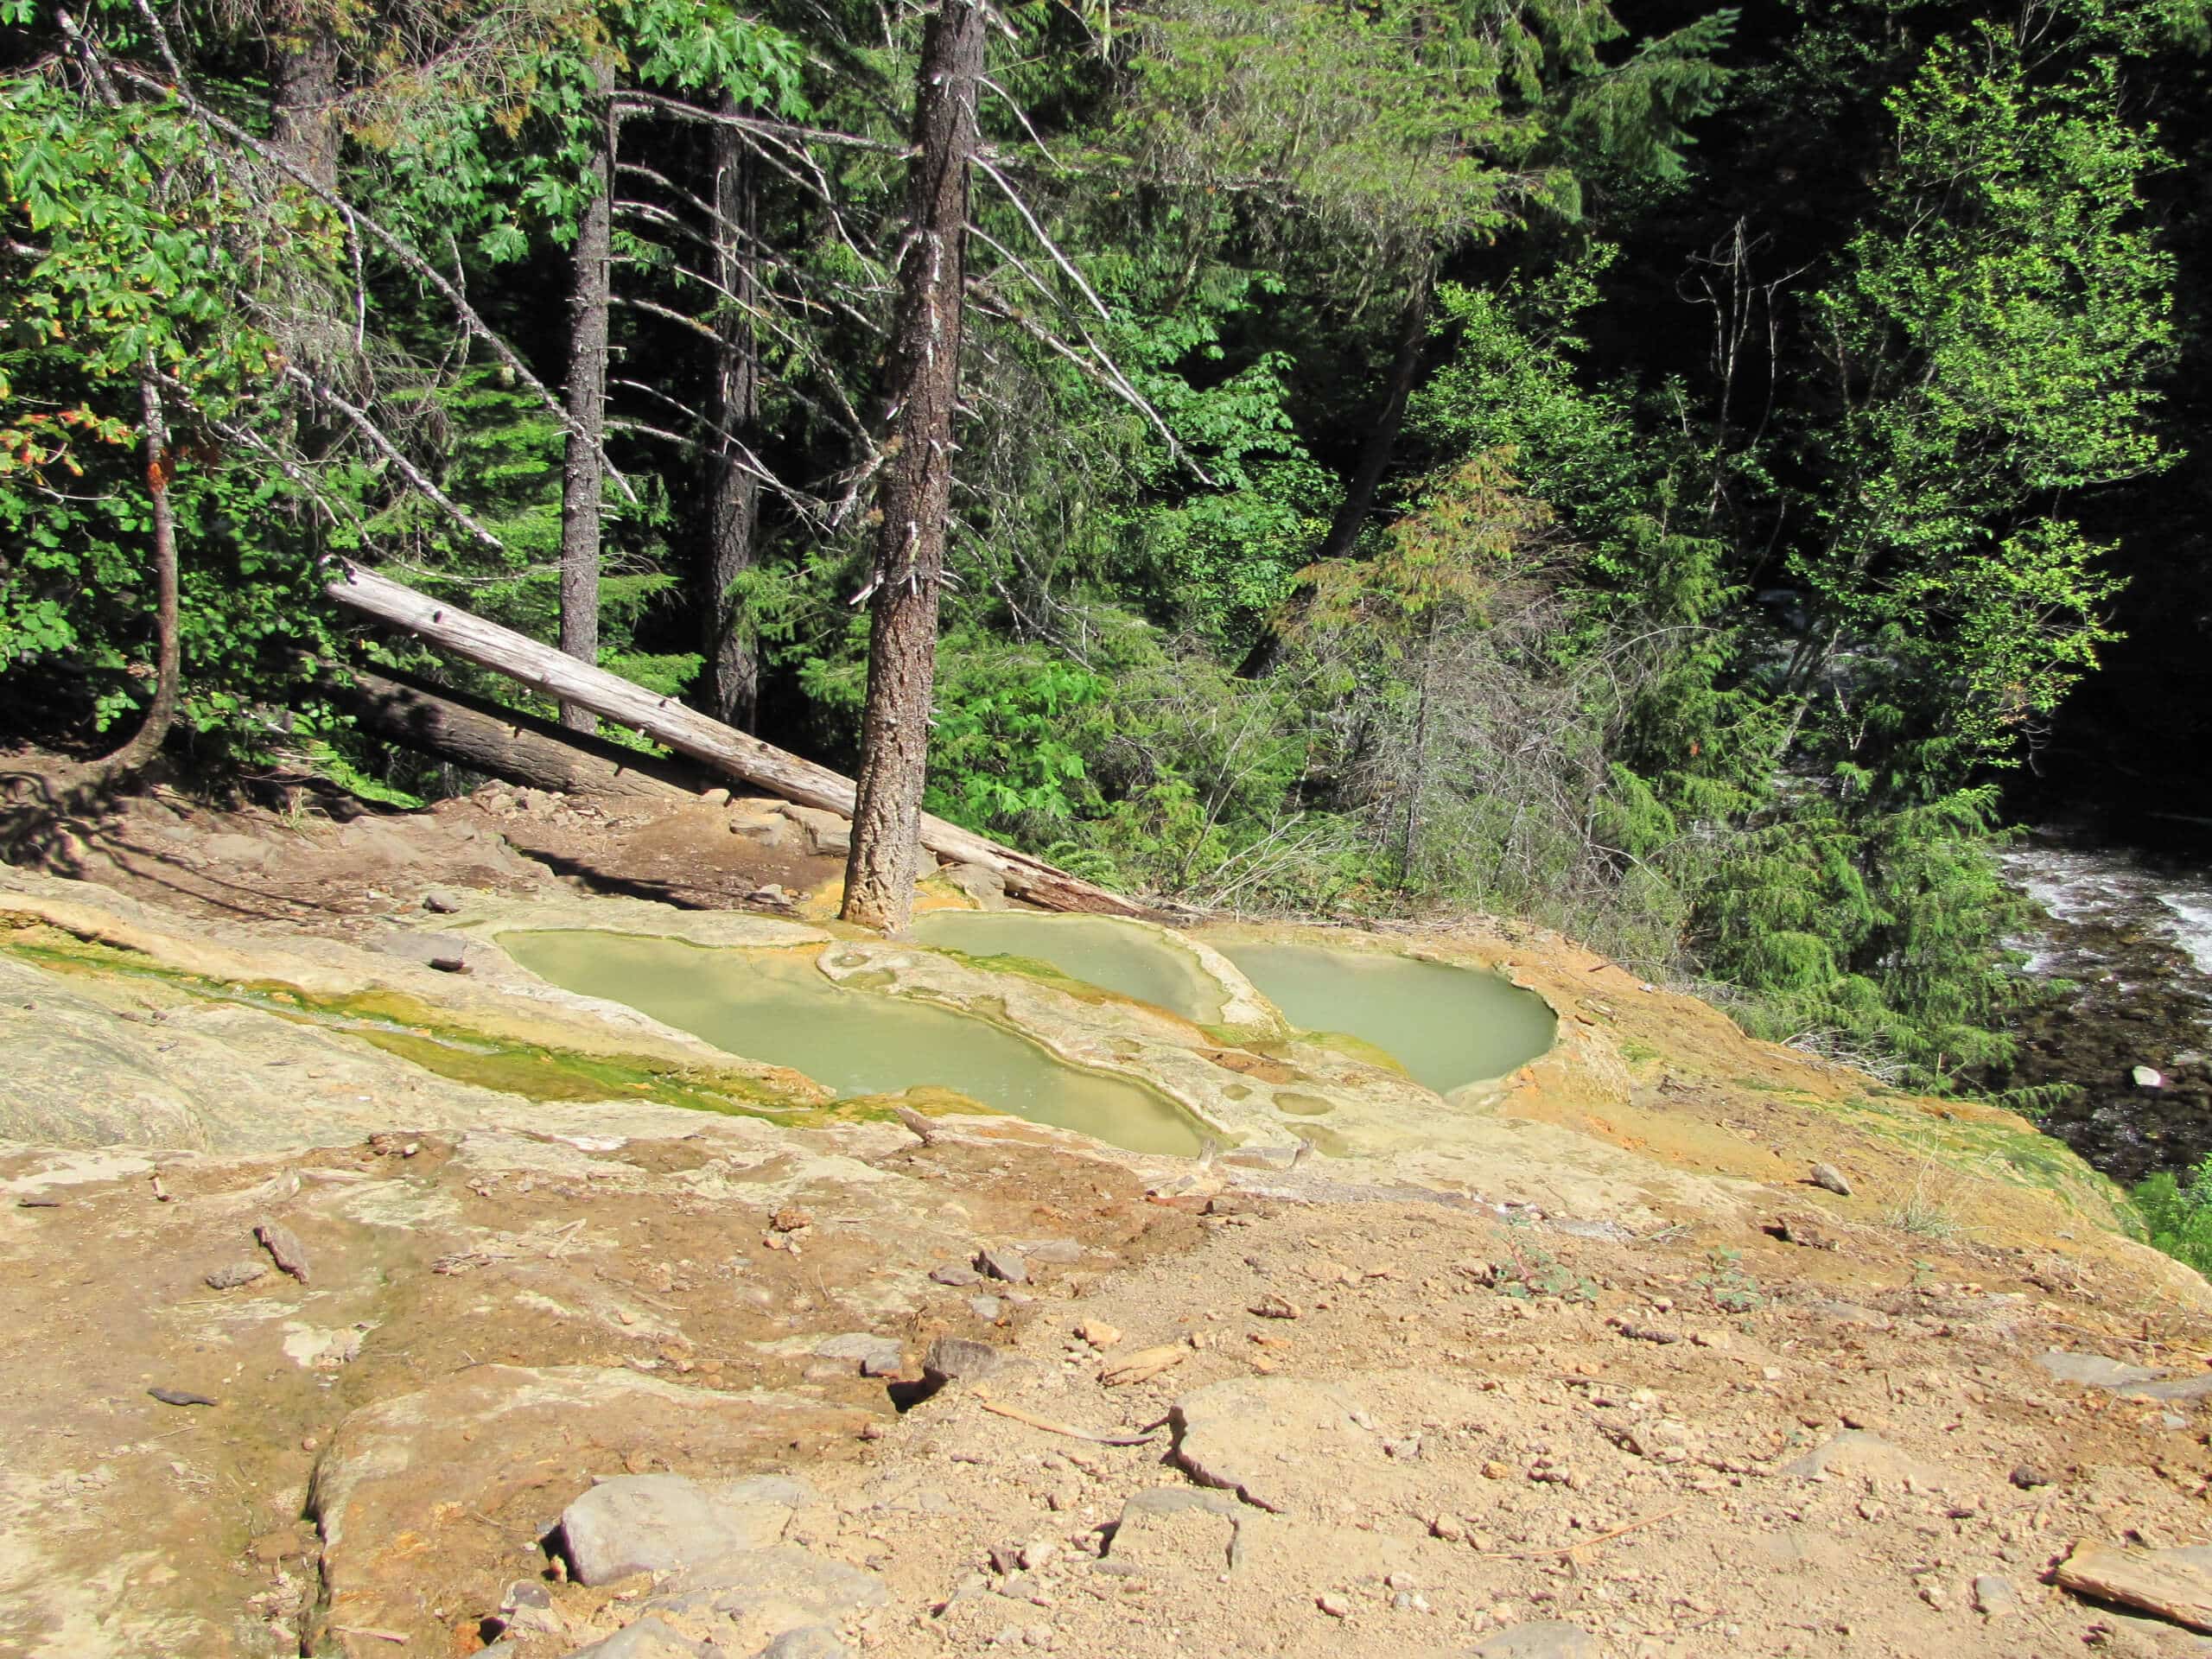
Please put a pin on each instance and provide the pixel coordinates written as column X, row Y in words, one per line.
column 689, row 733
column 471, row 732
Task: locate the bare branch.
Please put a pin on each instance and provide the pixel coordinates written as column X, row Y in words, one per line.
column 383, row 445
column 1049, row 245
column 392, row 242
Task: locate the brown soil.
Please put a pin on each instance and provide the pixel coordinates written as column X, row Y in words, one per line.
column 1475, row 1415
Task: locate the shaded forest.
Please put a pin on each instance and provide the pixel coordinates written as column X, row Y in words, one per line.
column 1688, row 477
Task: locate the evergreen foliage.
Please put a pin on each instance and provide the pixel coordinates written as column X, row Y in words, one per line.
column 1774, row 385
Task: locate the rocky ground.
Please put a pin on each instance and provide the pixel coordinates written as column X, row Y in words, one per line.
column 319, row 1350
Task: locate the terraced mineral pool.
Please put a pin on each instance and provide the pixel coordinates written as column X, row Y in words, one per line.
column 1446, row 1026
column 778, row 1008
column 1121, row 956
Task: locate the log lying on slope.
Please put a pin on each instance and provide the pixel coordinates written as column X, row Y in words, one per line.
column 724, row 748
column 504, row 743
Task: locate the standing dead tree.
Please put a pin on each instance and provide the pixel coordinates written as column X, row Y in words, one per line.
column 914, row 491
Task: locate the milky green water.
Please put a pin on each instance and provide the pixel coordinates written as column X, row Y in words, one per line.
column 1446, row 1026
column 1121, row 957
column 777, row 1008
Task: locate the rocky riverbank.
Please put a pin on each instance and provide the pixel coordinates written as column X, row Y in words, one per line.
column 2126, row 1040
column 385, row 1301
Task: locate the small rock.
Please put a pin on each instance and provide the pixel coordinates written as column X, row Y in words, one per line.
column 1275, row 1308
column 2027, row 1477
column 1172, row 1529
column 440, row 904
column 2094, row 1370
column 986, row 1308
column 1004, row 1263
column 1449, row 1528
column 958, row 1274
column 779, row 1589
column 1995, row 1598
column 274, row 1547
column 1542, row 1639
column 181, row 1397
column 958, row 1359
column 1099, row 1334
column 875, row 1356
column 237, row 1273
column 790, row 1219
column 649, row 1638
column 284, row 1248
column 1859, row 1455
column 1333, row 1604
column 808, row 1642
column 659, row 1523
column 1828, row 1176
column 2145, row 1078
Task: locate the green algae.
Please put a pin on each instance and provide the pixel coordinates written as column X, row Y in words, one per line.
column 411, row 1029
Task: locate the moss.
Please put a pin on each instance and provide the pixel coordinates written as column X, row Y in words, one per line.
column 414, row 1030
column 1356, row 1048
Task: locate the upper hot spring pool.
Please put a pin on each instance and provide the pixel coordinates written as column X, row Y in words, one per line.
column 776, row 1007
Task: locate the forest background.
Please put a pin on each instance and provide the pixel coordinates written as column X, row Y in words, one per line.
column 1659, row 472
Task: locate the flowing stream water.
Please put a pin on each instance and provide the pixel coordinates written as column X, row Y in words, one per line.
column 2129, row 939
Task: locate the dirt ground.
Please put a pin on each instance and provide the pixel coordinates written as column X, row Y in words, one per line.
column 1390, row 1422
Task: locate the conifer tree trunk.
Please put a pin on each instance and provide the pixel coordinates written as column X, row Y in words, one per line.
column 1375, row 455
column 914, row 498
column 304, row 97
column 733, row 531
column 582, row 480
column 1382, row 436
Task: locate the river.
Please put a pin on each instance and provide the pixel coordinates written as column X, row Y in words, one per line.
column 2126, row 936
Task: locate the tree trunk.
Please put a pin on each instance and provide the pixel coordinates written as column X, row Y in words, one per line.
column 1421, row 756
column 1366, row 482
column 914, row 499
column 732, row 661
column 467, row 731
column 582, row 480
column 730, row 753
column 161, row 713
column 1382, row 436
column 303, row 99
column 169, row 665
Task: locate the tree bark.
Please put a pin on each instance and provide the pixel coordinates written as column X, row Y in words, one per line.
column 914, row 498
column 153, row 731
column 580, row 477
column 169, row 665
column 728, row 752
column 733, row 660
column 303, row 99
column 1390, row 420
column 1366, row 481
column 469, row 731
